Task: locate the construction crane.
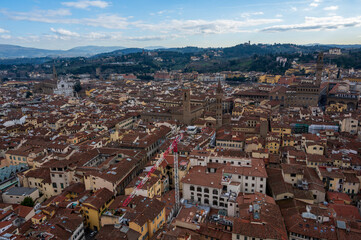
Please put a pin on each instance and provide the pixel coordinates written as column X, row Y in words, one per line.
column 172, row 147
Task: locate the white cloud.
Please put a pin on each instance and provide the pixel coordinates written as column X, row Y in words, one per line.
column 162, row 12
column 317, row 24
column 56, row 13
column 114, row 21
column 315, row 3
column 200, row 26
column 46, row 16
column 331, row 8
column 147, row 38
column 3, row 30
column 107, row 21
column 64, row 32
column 84, row 4
column 5, row 36
column 248, row 14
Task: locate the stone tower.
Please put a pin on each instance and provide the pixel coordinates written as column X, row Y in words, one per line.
column 319, row 69
column 55, row 75
column 219, row 107
column 186, row 99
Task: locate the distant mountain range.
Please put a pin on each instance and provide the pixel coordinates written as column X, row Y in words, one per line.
column 18, row 52
column 336, row 45
column 14, row 51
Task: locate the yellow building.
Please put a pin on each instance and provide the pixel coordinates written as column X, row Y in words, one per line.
column 314, row 160
column 313, row 148
column 88, row 92
column 271, row 79
column 292, row 173
column 167, row 166
column 273, row 146
column 93, row 207
column 353, row 79
column 333, row 178
column 337, row 107
column 151, row 189
column 146, row 216
column 115, row 179
column 38, row 218
column 351, row 184
column 23, row 155
column 281, row 129
column 40, row 179
column 288, row 141
column 338, row 161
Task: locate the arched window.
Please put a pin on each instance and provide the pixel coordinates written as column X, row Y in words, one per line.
column 199, row 189
column 215, row 191
column 206, row 201
column 191, row 188
column 215, row 203
column 206, row 190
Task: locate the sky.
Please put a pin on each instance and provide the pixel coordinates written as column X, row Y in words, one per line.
column 64, row 24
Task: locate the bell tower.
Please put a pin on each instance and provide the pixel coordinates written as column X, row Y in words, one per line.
column 186, row 99
column 55, row 75
column 219, row 107
column 319, row 69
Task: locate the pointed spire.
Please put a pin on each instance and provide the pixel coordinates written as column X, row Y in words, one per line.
column 219, row 87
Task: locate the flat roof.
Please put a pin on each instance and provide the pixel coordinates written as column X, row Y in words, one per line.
column 20, row 191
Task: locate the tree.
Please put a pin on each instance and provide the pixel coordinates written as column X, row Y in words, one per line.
column 77, row 86
column 28, row 94
column 28, row 201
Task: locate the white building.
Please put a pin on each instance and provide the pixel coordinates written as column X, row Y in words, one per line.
column 216, row 183
column 335, row 51
column 65, row 87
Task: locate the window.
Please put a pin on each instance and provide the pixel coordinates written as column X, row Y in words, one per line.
column 191, row 188
column 206, row 190
column 54, row 185
column 199, row 189
column 61, row 185
column 215, row 191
